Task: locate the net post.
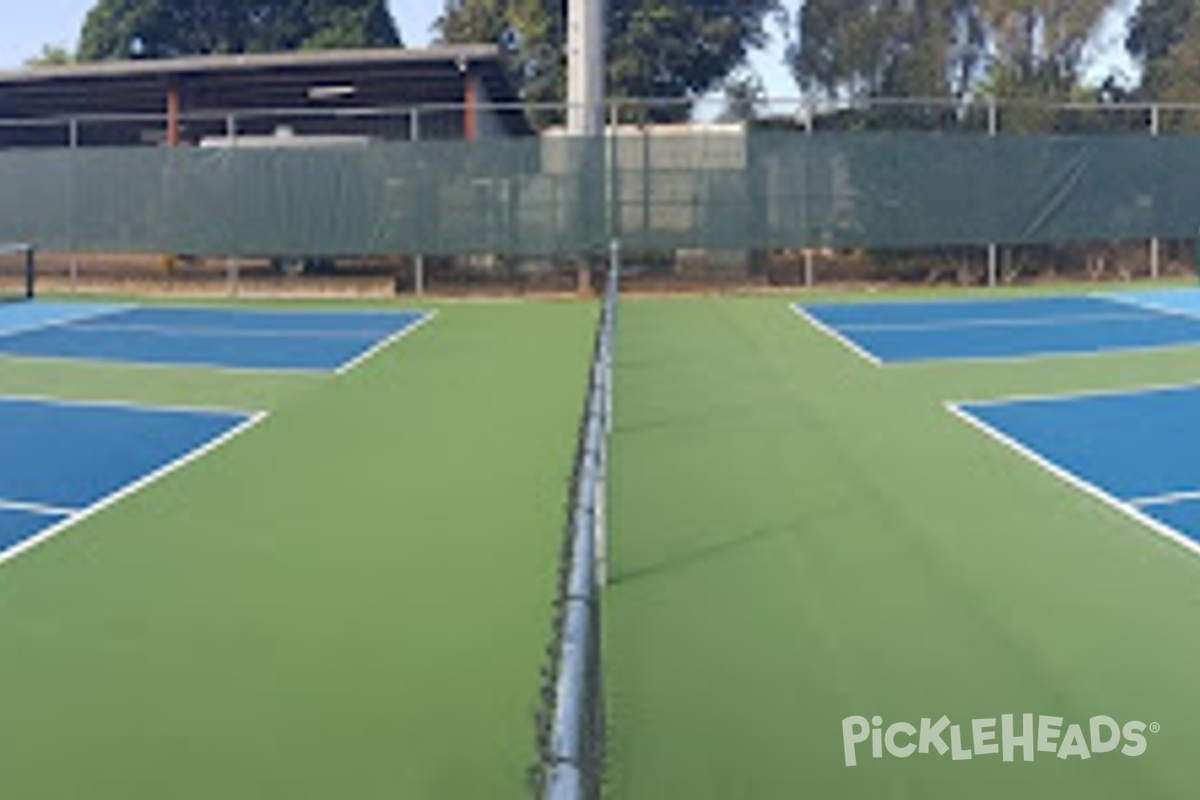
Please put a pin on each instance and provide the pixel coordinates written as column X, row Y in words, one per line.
column 29, row 271
column 1155, row 255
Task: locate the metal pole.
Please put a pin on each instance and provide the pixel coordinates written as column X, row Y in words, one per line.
column 1154, row 243
column 993, row 255
column 233, row 276
column 414, row 132
column 29, row 272
column 73, row 145
column 585, row 67
column 233, row 273
column 809, row 267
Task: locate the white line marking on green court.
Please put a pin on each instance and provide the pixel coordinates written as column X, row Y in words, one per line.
column 836, row 335
column 103, row 503
column 425, row 319
column 1070, row 478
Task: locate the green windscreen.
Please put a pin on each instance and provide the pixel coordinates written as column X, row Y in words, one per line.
column 691, row 188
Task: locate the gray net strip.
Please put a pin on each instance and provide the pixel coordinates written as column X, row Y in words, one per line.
column 571, row 726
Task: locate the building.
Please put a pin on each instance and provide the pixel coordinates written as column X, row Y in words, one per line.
column 448, row 92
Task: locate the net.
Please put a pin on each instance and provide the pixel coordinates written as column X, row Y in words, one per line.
column 16, row 272
column 571, row 726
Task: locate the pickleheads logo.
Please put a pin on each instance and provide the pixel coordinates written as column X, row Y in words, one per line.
column 1028, row 734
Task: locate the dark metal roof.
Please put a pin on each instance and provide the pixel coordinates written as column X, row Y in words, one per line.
column 381, row 78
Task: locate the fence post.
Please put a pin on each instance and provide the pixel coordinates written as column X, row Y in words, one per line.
column 810, row 277
column 993, row 253
column 73, row 145
column 414, row 132
column 1154, row 242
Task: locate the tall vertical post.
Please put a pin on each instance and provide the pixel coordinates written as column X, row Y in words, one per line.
column 470, row 107
column 1155, row 254
column 73, row 145
column 174, row 112
column 993, row 251
column 414, row 132
column 29, row 272
column 585, row 67
column 810, row 277
column 612, row 184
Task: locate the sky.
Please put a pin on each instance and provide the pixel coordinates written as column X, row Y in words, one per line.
column 30, row 24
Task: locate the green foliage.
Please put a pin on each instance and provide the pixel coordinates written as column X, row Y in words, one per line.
column 864, row 48
column 168, row 28
column 1030, row 49
column 52, row 55
column 668, row 49
column 1164, row 36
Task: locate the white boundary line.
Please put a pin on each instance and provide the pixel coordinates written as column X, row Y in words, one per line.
column 1168, row 499
column 161, row 365
column 1041, row 355
column 1074, row 480
column 425, row 318
column 999, row 322
column 49, row 533
column 1148, row 388
column 200, row 332
column 1030, row 357
column 836, row 335
column 45, row 325
column 38, row 509
column 125, row 404
column 1135, row 302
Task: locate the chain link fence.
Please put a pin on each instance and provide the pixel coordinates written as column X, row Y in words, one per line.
column 772, row 193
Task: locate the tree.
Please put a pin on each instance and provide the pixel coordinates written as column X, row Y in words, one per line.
column 944, row 48
column 1164, row 38
column 661, row 49
column 169, row 28
column 52, row 55
column 867, row 48
column 1040, row 46
column 744, row 98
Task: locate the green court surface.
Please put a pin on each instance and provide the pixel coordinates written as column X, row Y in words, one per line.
column 798, row 537
column 352, row 600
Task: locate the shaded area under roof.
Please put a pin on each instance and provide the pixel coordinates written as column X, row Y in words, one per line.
column 229, row 84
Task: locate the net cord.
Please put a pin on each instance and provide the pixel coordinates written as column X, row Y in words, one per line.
column 578, row 703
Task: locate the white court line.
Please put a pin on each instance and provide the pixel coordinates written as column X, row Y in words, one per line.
column 423, row 320
column 837, row 335
column 169, row 330
column 1167, row 499
column 40, row 509
column 1060, row 397
column 47, row 400
column 49, row 533
column 162, row 365
column 1137, row 302
column 999, row 322
column 50, row 324
column 1124, row 507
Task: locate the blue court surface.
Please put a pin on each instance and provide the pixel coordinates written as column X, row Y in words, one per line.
column 1129, row 449
column 318, row 341
column 63, row 461
column 901, row 332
